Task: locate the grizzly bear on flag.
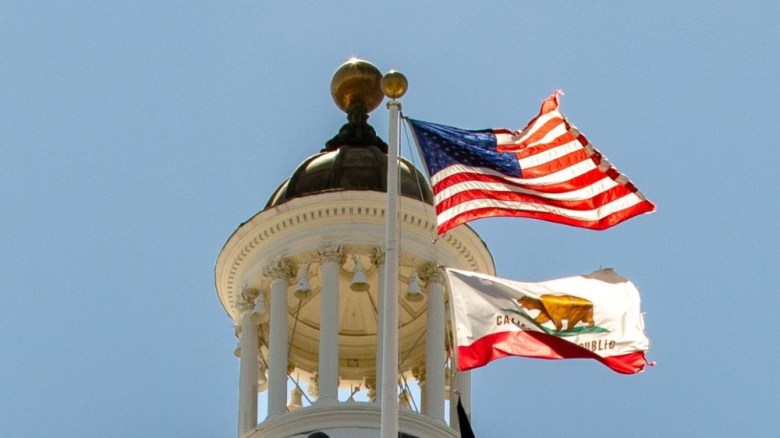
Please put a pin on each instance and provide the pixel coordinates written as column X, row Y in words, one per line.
column 556, row 308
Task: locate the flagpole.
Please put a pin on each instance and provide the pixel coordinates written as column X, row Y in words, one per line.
column 393, row 85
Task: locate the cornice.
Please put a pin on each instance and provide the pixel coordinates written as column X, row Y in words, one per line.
column 354, row 219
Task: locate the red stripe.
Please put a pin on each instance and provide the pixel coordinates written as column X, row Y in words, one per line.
column 603, row 224
column 542, row 346
column 548, row 105
column 536, row 135
column 523, row 150
column 503, row 131
column 576, row 183
column 551, row 103
column 592, row 203
column 557, row 164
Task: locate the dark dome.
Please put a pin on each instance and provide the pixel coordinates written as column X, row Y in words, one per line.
column 350, row 168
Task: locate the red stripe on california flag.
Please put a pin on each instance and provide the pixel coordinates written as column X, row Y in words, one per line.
column 539, row 345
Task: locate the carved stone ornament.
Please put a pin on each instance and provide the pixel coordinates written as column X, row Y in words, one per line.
column 419, row 372
column 330, row 252
column 431, row 273
column 378, row 256
column 314, row 385
column 280, row 269
column 370, row 382
column 247, row 299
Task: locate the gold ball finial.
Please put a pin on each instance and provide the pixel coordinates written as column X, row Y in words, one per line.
column 394, row 84
column 356, row 82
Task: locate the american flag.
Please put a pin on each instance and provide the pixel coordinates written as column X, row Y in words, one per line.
column 547, row 171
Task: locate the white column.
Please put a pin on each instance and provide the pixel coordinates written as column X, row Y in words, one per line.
column 277, row 348
column 378, row 259
column 434, row 350
column 329, row 324
column 247, row 380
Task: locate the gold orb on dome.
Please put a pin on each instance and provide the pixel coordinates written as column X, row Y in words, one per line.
column 356, row 82
column 394, row 84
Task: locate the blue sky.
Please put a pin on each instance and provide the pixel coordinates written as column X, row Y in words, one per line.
column 136, row 136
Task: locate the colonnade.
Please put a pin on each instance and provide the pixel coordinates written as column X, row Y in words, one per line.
column 431, row 376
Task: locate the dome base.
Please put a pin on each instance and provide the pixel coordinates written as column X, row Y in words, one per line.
column 348, row 420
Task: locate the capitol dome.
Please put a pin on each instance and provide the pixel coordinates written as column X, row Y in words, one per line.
column 350, row 168
column 303, row 282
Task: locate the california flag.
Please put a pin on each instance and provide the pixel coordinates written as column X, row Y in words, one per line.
column 592, row 316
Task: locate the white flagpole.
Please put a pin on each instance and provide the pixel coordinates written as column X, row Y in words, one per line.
column 393, row 86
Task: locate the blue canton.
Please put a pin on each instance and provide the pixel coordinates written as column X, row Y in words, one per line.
column 442, row 146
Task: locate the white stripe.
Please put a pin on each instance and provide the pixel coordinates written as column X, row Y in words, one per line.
column 581, row 194
column 594, row 215
column 550, row 154
column 502, row 139
column 558, row 177
column 551, row 136
column 538, row 123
